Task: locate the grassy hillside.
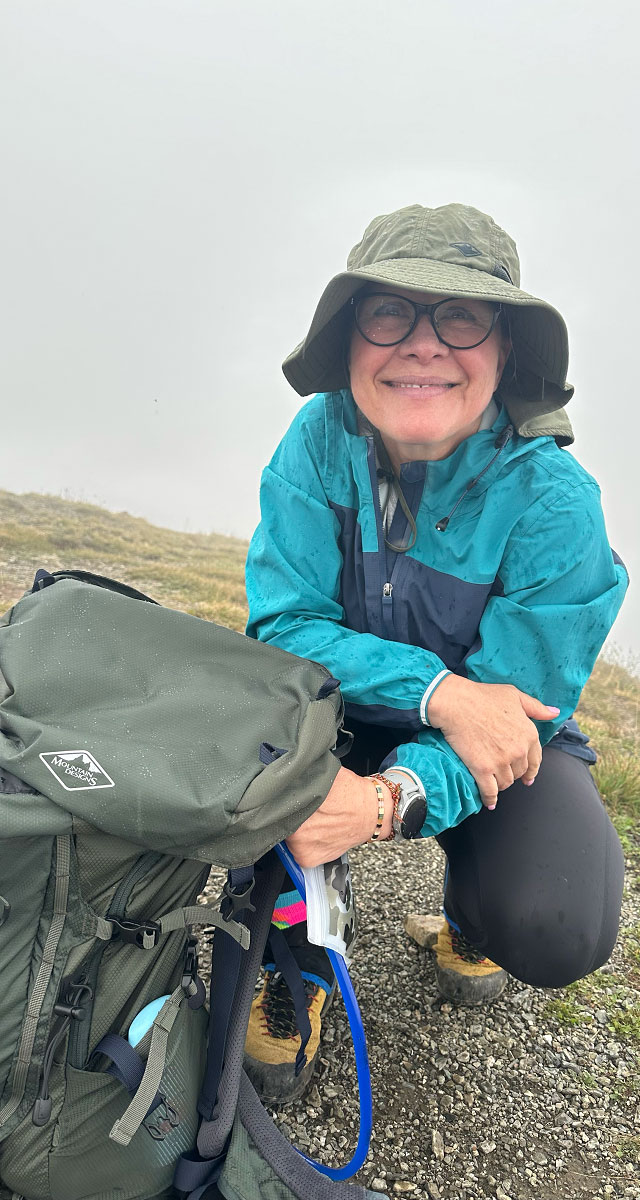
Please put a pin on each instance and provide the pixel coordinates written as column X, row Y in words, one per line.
column 203, row 574
column 200, row 573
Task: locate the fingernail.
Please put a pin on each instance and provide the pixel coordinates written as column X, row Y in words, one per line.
column 552, row 709
column 528, row 782
column 491, row 807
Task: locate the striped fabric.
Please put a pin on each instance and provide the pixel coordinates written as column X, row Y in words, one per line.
column 290, row 909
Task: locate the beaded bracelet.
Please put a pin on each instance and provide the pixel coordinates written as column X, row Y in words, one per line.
column 396, row 792
column 380, row 794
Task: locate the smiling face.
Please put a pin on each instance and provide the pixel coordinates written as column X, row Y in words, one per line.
column 424, row 397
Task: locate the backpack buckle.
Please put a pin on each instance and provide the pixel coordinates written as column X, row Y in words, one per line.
column 233, row 902
column 145, row 934
column 190, row 969
column 73, row 1000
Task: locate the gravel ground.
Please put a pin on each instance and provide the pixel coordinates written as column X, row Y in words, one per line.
column 503, row 1101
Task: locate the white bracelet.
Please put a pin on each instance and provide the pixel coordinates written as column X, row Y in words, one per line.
column 428, row 694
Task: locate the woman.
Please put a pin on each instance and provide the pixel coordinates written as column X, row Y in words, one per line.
column 424, row 536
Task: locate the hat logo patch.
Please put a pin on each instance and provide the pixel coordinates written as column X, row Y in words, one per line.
column 77, row 770
column 465, row 248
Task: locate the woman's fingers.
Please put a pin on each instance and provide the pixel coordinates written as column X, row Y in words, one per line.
column 490, row 785
column 521, row 764
column 533, row 765
column 505, row 779
column 535, row 709
column 490, row 727
column 488, row 788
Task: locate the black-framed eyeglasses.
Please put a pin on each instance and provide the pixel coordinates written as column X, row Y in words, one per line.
column 385, row 319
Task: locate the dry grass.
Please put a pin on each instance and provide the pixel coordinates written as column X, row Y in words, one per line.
column 200, row 573
column 609, row 712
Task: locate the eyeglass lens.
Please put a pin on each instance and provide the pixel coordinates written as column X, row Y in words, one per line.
column 385, row 319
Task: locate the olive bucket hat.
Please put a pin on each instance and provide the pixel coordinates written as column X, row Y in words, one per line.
column 449, row 251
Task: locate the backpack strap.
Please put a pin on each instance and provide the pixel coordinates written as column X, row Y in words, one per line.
column 292, row 975
column 146, row 934
column 233, row 977
column 214, row 1132
column 39, row 990
column 205, row 914
column 147, row 1092
column 44, row 579
column 295, row 1170
column 225, row 969
column 126, row 1064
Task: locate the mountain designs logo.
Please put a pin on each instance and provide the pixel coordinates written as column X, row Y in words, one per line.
column 77, row 770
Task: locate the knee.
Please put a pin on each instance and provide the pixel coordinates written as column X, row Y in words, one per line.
column 558, row 926
column 545, row 948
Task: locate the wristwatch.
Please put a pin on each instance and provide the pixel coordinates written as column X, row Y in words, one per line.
column 412, row 805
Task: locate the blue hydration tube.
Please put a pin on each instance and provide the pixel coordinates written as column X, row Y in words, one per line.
column 359, row 1043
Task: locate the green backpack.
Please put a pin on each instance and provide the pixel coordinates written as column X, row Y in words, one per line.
column 139, row 745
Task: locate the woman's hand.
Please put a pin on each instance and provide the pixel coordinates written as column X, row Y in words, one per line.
column 489, row 727
column 346, row 818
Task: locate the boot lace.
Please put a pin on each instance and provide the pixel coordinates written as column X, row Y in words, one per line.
column 464, row 949
column 278, row 1009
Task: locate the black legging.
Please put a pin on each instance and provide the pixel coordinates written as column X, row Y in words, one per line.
column 537, row 883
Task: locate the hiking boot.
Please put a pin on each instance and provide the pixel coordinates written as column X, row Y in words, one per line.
column 273, row 1039
column 463, row 974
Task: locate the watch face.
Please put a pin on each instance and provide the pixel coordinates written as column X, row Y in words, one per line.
column 412, row 817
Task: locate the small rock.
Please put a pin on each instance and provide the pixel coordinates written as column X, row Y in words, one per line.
column 523, row 998
column 404, row 1185
column 487, row 1147
column 378, row 1185
column 501, row 1194
column 437, row 1143
column 539, row 1158
column 434, row 1191
column 422, row 929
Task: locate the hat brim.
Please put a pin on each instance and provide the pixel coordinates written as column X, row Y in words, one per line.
column 538, row 332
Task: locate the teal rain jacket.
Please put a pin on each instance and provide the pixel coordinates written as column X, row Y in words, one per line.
column 521, row 586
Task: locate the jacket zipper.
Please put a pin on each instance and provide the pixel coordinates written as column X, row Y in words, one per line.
column 387, row 609
column 387, row 600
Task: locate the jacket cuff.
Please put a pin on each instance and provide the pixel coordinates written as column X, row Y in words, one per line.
column 429, row 693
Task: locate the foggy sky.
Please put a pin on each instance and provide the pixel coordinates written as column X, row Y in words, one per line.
column 181, row 178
